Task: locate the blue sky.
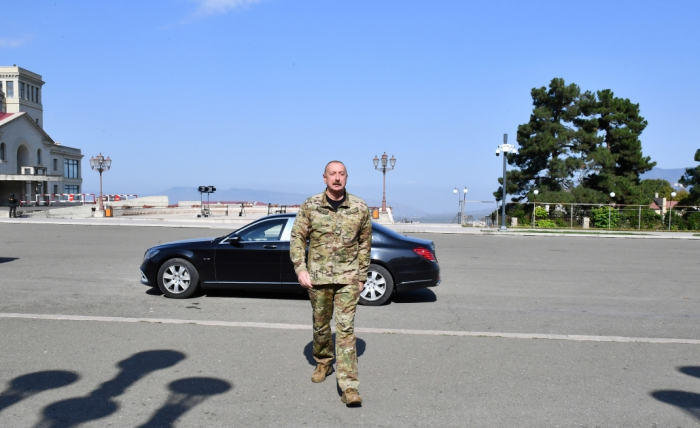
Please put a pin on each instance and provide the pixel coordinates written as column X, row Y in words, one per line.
column 261, row 94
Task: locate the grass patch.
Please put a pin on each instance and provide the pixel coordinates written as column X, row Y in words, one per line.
column 697, row 234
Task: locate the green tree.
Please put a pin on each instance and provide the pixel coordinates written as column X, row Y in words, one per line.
column 547, row 143
column 692, row 178
column 580, row 143
column 648, row 188
column 617, row 156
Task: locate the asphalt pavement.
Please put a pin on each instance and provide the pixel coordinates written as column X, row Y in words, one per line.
column 522, row 331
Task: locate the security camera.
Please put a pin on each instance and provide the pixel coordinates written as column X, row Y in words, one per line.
column 498, row 152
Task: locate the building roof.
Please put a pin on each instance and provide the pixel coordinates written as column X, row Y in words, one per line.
column 658, row 202
column 6, row 118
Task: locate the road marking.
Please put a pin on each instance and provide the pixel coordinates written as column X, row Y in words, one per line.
column 574, row 337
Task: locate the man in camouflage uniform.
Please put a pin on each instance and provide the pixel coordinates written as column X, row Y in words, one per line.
column 339, row 231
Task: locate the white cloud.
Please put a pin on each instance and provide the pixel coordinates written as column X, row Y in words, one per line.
column 213, row 7
column 13, row 43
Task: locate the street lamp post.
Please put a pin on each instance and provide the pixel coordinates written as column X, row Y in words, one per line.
column 384, row 170
column 670, row 209
column 534, row 206
column 462, row 201
column 505, row 148
column 100, row 164
column 612, row 195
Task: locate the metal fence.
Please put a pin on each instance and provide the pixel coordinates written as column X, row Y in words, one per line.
column 599, row 216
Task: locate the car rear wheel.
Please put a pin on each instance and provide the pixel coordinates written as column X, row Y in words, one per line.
column 378, row 288
column 178, row 279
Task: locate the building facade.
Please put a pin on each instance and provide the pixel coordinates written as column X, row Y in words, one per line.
column 31, row 163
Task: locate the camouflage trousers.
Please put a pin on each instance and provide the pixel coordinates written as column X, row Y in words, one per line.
column 344, row 298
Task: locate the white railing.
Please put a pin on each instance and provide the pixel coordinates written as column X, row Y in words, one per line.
column 49, row 199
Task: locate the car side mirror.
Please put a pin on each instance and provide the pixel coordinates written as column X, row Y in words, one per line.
column 234, row 239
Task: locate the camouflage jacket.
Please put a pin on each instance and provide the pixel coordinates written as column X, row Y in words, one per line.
column 339, row 242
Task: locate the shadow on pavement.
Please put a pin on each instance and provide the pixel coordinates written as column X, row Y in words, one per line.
column 154, row 291
column 184, row 395
column 8, row 259
column 690, row 371
column 257, row 294
column 423, row 295
column 689, row 402
column 100, row 403
column 25, row 386
column 309, row 349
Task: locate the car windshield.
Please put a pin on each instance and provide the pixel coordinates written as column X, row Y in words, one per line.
column 385, row 230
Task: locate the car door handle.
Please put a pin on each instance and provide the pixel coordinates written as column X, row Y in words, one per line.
column 270, row 246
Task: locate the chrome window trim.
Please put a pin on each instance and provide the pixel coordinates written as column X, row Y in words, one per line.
column 287, row 232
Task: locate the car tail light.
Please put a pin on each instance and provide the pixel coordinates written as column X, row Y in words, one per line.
column 425, row 253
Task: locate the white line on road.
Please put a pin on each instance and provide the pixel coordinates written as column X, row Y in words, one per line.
column 574, row 337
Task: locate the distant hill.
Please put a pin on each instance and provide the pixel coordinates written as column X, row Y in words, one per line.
column 671, row 175
column 176, row 194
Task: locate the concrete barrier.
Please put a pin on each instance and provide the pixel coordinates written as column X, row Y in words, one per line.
column 153, row 201
column 81, row 211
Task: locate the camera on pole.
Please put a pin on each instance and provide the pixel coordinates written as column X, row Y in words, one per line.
column 202, row 190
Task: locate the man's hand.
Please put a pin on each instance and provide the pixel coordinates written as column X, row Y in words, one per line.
column 362, row 286
column 304, row 279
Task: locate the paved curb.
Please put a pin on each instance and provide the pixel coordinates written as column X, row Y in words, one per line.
column 232, row 225
column 155, row 223
column 589, row 235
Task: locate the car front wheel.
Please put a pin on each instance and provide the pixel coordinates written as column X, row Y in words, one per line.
column 378, row 287
column 178, row 279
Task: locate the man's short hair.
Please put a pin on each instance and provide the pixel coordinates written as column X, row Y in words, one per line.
column 334, row 161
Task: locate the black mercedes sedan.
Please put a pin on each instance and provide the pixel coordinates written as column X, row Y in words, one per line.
column 256, row 257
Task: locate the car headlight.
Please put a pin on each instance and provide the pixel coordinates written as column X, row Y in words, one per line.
column 150, row 253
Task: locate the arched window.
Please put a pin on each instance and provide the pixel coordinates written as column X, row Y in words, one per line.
column 2, row 151
column 38, row 157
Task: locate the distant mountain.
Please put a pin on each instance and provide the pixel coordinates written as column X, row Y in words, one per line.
column 176, row 194
column 671, row 175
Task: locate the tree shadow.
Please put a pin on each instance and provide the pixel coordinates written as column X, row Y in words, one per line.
column 360, row 344
column 690, row 370
column 424, row 295
column 8, row 259
column 25, row 386
column 99, row 404
column 184, row 395
column 689, row 402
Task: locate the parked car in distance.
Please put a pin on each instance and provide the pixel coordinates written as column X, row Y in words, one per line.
column 256, row 257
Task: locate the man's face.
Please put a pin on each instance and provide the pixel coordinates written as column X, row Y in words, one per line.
column 335, row 177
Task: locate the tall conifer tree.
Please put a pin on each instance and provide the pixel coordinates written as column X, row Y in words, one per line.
column 692, row 178
column 547, row 142
column 618, row 157
column 584, row 139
